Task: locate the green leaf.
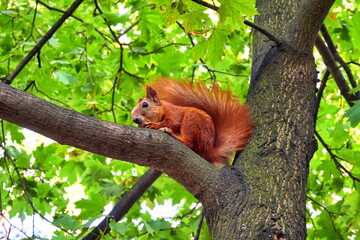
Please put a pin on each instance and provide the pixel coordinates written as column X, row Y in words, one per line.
column 114, row 18
column 91, row 207
column 43, row 190
column 199, row 51
column 194, row 20
column 13, row 152
column 355, row 28
column 212, row 48
column 118, row 227
column 216, row 44
column 235, row 9
column 66, row 221
column 149, row 228
column 353, row 114
column 339, row 134
column 66, row 78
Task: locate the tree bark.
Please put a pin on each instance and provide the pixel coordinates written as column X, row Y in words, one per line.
column 145, row 147
column 263, row 195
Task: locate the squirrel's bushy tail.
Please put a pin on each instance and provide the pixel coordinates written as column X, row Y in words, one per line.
column 232, row 121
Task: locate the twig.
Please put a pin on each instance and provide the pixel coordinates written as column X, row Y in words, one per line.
column 335, row 158
column 28, row 198
column 355, row 63
column 198, row 231
column 43, row 40
column 320, row 92
column 158, row 49
column 212, row 75
column 129, row 28
column 323, row 207
column 33, row 22
column 334, row 70
column 73, row 16
column 279, row 43
column 331, row 213
column 126, row 202
column 12, row 225
column 206, row 4
column 232, row 74
column 147, row 5
column 120, row 69
column 87, row 63
column 188, row 214
column 146, row 232
column 33, row 84
column 140, row 79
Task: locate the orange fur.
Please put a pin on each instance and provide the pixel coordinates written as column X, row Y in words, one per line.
column 212, row 123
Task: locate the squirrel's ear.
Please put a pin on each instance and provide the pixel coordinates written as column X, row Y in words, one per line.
column 152, row 94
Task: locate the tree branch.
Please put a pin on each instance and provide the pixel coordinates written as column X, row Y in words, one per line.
column 200, row 225
column 124, row 205
column 26, row 192
column 335, row 158
column 334, row 70
column 211, row 73
column 337, row 57
column 57, row 10
column 43, row 40
column 206, row 4
column 310, row 19
column 323, row 207
column 320, row 92
column 158, row 49
column 157, row 149
column 279, row 43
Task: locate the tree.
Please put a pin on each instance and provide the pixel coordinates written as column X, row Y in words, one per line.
column 91, row 61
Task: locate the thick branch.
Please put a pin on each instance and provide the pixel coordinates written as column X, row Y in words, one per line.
column 334, row 70
column 310, row 19
column 333, row 50
column 43, row 40
column 145, row 147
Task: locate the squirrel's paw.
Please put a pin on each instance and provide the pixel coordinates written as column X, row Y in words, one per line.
column 167, row 130
column 151, row 125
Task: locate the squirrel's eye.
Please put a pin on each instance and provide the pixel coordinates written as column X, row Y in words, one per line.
column 145, row 104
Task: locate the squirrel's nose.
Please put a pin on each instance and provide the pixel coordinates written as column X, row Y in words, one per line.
column 136, row 120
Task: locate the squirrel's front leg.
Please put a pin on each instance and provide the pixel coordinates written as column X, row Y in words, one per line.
column 165, row 127
column 153, row 125
column 168, row 131
column 172, row 134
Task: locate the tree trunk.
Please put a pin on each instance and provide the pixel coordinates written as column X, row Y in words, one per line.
column 263, row 195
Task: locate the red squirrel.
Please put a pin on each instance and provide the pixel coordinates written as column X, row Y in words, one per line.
column 210, row 122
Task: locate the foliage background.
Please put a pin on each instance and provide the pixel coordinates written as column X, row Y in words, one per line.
column 97, row 62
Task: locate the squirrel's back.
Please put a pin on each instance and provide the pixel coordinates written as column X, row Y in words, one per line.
column 232, row 120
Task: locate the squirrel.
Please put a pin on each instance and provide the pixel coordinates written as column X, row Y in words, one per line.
column 210, row 122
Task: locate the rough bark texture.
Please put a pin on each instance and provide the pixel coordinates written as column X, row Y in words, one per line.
column 263, row 195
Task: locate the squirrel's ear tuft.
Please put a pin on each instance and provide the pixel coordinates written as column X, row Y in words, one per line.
column 152, row 94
